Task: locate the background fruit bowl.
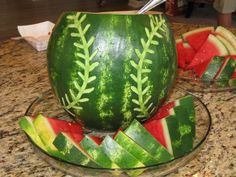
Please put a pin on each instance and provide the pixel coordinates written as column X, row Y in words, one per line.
column 47, row 104
column 188, row 81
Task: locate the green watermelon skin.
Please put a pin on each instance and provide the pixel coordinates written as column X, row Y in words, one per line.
column 96, row 153
column 137, row 151
column 26, row 124
column 108, row 69
column 119, row 155
column 144, row 139
column 225, row 72
column 72, row 151
column 212, row 69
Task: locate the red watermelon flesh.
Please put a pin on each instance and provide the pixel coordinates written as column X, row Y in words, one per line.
column 189, row 52
column 197, row 37
column 156, row 129
column 76, row 137
column 96, row 139
column 64, row 126
column 210, row 48
column 163, row 111
column 180, row 53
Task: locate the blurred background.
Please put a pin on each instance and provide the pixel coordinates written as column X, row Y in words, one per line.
column 25, row 12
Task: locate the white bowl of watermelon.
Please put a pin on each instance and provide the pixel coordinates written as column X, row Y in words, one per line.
column 207, row 59
column 157, row 147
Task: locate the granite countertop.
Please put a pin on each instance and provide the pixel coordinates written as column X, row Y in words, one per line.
column 23, row 77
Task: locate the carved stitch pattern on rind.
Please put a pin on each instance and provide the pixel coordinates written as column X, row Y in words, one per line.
column 143, row 105
column 75, row 97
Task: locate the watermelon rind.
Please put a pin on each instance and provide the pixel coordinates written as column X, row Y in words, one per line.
column 26, row 124
column 212, row 69
column 137, row 151
column 227, row 44
column 120, row 156
column 72, row 151
column 225, row 72
column 144, row 139
column 232, row 82
column 186, row 128
column 188, row 103
column 46, row 134
column 96, row 153
column 228, row 35
column 195, row 32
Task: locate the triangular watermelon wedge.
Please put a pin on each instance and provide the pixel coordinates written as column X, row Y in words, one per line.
column 210, row 48
column 228, row 35
column 176, row 131
column 189, row 52
column 180, row 53
column 197, row 37
column 49, row 128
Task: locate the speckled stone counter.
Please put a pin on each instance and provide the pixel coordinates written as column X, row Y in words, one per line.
column 23, row 77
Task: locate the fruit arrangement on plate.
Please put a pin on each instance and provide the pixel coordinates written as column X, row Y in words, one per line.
column 208, row 56
column 170, row 138
column 114, row 72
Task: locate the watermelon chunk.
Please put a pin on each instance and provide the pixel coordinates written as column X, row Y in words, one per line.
column 228, row 35
column 180, row 53
column 210, row 48
column 137, row 151
column 68, row 146
column 197, row 37
column 212, row 69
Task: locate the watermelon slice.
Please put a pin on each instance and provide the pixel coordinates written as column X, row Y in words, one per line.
column 71, row 149
column 186, row 101
column 137, row 151
column 96, row 153
column 144, row 139
column 201, row 68
column 227, row 44
column 212, row 69
column 225, row 72
column 175, row 132
column 180, row 53
column 48, row 129
column 210, row 48
column 26, row 123
column 197, row 37
column 228, row 35
column 119, row 155
column 189, row 52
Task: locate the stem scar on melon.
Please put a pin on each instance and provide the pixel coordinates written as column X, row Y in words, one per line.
column 143, row 107
column 84, row 58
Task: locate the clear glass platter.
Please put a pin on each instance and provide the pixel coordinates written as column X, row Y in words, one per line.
column 188, row 81
column 47, row 105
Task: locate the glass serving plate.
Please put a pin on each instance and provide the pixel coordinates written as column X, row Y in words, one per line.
column 48, row 106
column 188, row 81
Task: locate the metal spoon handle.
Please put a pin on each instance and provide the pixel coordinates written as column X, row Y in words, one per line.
column 151, row 4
